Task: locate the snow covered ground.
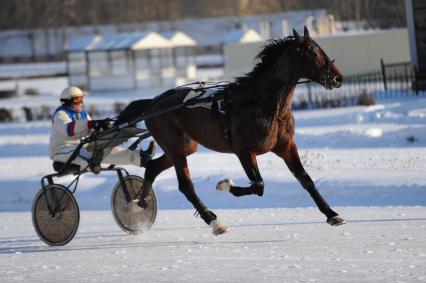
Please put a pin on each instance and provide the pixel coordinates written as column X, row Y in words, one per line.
column 383, row 244
column 370, row 162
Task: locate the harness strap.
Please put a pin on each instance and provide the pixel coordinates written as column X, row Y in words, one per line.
column 222, row 108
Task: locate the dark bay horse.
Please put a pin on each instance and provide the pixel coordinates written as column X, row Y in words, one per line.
column 259, row 121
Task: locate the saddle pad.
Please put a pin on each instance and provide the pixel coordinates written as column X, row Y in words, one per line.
column 199, row 94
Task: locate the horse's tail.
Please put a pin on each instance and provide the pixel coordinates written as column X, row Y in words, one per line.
column 134, row 111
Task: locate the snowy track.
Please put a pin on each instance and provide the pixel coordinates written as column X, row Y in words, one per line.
column 358, row 156
column 385, row 244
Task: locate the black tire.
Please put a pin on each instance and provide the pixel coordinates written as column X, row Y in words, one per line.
column 132, row 223
column 59, row 228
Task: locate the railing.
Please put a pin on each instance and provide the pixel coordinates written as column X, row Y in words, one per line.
column 393, row 80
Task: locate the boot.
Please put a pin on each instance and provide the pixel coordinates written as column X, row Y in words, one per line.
column 148, row 154
column 95, row 167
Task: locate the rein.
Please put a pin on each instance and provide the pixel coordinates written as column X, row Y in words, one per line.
column 204, row 86
column 272, row 85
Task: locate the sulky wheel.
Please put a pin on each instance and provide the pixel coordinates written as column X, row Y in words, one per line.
column 132, row 223
column 55, row 215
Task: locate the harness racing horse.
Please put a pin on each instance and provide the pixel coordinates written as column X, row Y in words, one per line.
column 259, row 121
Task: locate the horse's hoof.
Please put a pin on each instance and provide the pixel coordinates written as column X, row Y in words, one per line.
column 225, row 185
column 336, row 220
column 218, row 228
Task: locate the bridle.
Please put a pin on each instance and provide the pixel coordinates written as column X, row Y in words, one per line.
column 327, row 77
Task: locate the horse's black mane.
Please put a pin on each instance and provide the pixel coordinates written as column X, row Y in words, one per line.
column 268, row 56
column 271, row 51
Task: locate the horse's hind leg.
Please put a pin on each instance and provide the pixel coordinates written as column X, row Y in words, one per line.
column 187, row 188
column 249, row 163
column 176, row 147
column 153, row 169
column 292, row 159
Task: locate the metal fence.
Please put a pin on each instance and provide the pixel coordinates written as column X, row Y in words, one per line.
column 393, row 80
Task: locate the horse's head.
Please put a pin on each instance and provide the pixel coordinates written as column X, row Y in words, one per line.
column 314, row 64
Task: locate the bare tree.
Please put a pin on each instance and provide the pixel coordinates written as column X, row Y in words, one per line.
column 24, row 14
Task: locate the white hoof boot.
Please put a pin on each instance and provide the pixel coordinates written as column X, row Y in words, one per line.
column 336, row 220
column 225, row 185
column 218, row 228
column 133, row 206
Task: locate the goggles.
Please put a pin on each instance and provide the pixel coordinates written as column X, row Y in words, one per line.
column 77, row 100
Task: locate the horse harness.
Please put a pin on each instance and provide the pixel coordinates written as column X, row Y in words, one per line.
column 217, row 99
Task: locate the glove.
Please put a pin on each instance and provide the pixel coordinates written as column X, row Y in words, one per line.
column 102, row 124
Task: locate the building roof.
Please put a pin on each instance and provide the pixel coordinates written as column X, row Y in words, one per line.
column 212, row 31
column 79, row 44
column 134, row 41
column 205, row 32
column 120, row 41
column 242, row 36
column 178, row 38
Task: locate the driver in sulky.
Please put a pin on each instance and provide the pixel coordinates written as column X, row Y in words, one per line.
column 70, row 123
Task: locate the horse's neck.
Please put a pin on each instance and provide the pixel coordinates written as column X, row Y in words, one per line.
column 280, row 82
column 277, row 94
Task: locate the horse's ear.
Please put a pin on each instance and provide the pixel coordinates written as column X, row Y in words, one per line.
column 306, row 32
column 297, row 37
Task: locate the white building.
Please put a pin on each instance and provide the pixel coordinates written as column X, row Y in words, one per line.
column 76, row 60
column 183, row 56
column 120, row 61
column 131, row 60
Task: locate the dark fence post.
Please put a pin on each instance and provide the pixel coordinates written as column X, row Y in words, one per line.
column 407, row 79
column 382, row 64
column 308, row 85
column 416, row 86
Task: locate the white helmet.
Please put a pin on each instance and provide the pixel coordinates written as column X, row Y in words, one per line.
column 71, row 92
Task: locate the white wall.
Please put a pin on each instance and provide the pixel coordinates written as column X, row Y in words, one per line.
column 111, row 83
column 355, row 53
column 359, row 53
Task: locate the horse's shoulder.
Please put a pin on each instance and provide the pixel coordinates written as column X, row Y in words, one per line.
column 286, row 124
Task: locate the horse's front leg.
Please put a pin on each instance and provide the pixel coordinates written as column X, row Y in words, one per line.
column 249, row 163
column 292, row 159
column 187, row 188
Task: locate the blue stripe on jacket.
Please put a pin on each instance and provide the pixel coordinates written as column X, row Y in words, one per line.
column 73, row 115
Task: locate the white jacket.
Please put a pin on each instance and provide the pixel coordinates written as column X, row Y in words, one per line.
column 68, row 127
